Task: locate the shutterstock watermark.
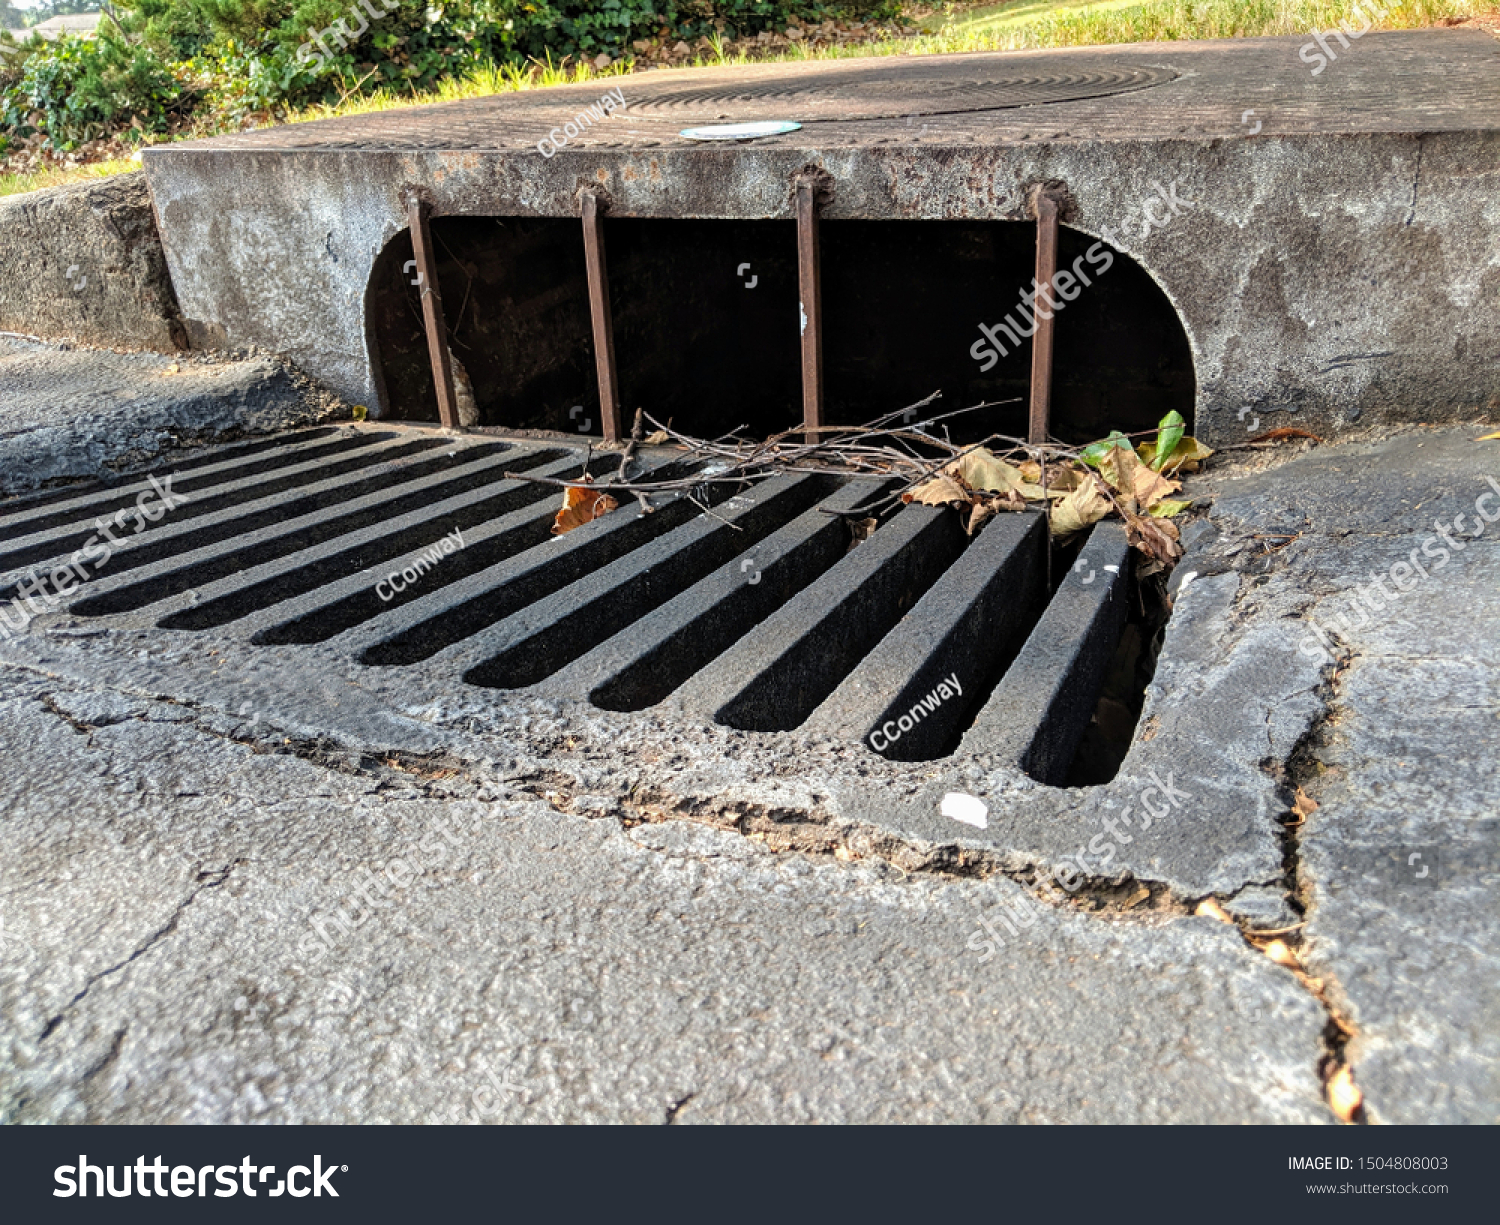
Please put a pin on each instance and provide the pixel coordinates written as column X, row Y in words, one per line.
column 1156, row 802
column 1044, row 301
column 361, row 901
column 1317, row 644
column 340, row 34
column 586, row 118
column 1318, row 54
column 187, row 1181
column 63, row 579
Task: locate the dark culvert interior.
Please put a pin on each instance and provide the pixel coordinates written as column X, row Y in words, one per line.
column 706, row 326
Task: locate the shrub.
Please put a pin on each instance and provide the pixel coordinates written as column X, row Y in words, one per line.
column 78, row 89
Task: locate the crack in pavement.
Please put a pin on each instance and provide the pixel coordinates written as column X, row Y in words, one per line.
column 210, row 881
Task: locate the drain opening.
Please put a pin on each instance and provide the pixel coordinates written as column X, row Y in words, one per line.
column 707, row 333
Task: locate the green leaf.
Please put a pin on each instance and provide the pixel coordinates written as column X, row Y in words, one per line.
column 1169, row 433
column 1096, row 451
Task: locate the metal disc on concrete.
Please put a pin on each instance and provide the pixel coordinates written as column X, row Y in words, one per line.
column 740, row 131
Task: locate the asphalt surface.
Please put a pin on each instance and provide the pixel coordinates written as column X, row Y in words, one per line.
column 69, row 412
column 570, row 914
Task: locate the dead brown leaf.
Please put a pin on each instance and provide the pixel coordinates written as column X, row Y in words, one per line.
column 581, row 505
column 1136, row 898
column 1157, row 538
column 1124, row 470
column 983, row 509
column 940, row 491
column 985, row 472
column 1303, row 805
column 1079, row 508
column 657, row 438
column 863, row 529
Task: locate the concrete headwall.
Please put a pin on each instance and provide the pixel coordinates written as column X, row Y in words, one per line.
column 1338, row 267
column 86, row 263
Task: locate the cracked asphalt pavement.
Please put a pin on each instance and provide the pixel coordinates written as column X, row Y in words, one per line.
column 258, row 884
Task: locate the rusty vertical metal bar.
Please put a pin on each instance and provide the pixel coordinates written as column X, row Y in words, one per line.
column 604, row 327
column 1041, row 345
column 432, row 311
column 809, row 280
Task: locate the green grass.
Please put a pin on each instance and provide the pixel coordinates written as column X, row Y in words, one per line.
column 1076, row 23
column 14, row 184
column 1018, row 25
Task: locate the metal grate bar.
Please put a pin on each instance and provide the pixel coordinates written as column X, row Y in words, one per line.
column 184, row 559
column 358, row 557
column 341, row 605
column 182, row 461
column 69, row 528
column 437, row 620
column 599, row 313
column 641, row 665
column 775, row 676
column 535, row 642
column 968, row 626
column 35, row 512
column 1038, row 712
column 418, row 218
column 810, row 287
column 1041, row 344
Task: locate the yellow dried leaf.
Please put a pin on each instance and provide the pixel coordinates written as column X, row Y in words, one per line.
column 1488, row 437
column 657, row 438
column 1185, row 457
column 985, row 472
column 1124, row 470
column 1166, row 508
column 1078, row 509
column 981, row 511
column 940, row 491
column 1065, row 479
column 1211, row 909
column 1344, row 1097
column 360, row 412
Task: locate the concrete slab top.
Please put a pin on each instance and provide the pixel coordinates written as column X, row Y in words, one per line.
column 1403, row 81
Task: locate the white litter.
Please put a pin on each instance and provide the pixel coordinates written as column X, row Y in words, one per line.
column 966, row 808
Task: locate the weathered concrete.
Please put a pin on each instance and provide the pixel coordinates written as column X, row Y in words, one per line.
column 68, row 412
column 85, row 263
column 282, row 758
column 162, row 887
column 1402, row 858
column 1334, row 242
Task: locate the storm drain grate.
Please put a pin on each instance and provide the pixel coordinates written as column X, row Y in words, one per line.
column 402, row 548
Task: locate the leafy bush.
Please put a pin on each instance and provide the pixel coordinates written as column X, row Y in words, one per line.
column 78, row 89
column 249, row 57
